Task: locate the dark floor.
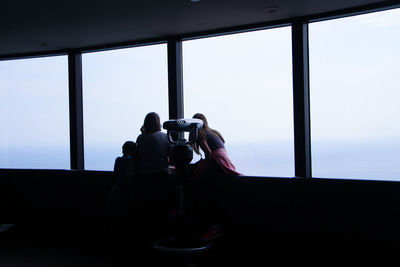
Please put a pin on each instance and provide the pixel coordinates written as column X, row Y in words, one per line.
column 43, row 245
column 19, row 247
column 28, row 246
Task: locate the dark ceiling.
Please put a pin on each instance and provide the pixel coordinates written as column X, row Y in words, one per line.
column 46, row 25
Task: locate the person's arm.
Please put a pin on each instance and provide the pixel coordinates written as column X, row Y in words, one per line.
column 203, row 144
column 116, row 165
column 136, row 157
column 170, row 147
column 117, row 171
column 207, row 151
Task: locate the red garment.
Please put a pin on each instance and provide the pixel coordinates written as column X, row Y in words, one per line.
column 221, row 157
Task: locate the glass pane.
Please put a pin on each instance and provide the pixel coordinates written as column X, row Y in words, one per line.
column 242, row 83
column 34, row 113
column 119, row 88
column 355, row 89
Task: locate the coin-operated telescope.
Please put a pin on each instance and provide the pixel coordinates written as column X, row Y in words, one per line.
column 183, row 125
column 182, row 152
column 182, row 155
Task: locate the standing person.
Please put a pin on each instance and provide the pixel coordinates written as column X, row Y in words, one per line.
column 153, row 186
column 123, row 167
column 119, row 198
column 153, row 148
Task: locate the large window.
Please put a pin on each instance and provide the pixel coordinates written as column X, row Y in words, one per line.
column 355, row 92
column 34, row 113
column 243, row 84
column 119, row 88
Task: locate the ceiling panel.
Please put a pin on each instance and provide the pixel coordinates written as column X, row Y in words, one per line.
column 37, row 26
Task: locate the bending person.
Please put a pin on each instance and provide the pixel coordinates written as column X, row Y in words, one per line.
column 212, row 144
column 210, row 183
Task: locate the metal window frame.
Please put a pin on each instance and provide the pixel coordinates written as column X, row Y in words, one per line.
column 301, row 100
column 175, row 79
column 76, row 110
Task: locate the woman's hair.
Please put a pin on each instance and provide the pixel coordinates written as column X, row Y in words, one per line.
column 202, row 132
column 152, row 123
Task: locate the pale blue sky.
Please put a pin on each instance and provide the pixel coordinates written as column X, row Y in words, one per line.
column 245, row 78
column 126, row 84
column 355, row 77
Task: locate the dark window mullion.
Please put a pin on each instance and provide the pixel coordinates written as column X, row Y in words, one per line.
column 76, row 110
column 301, row 100
column 175, row 79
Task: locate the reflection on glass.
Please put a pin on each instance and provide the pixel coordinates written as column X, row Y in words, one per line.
column 119, row 88
column 355, row 87
column 242, row 83
column 34, row 113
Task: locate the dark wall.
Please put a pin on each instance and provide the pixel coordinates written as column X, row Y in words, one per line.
column 41, row 195
column 269, row 205
column 338, row 207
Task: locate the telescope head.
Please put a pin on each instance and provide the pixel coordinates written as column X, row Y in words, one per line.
column 183, row 125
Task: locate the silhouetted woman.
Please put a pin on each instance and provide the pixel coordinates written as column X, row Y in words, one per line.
column 212, row 144
column 211, row 181
column 153, row 187
column 153, row 148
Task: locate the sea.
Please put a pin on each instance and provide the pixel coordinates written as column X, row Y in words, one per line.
column 343, row 160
